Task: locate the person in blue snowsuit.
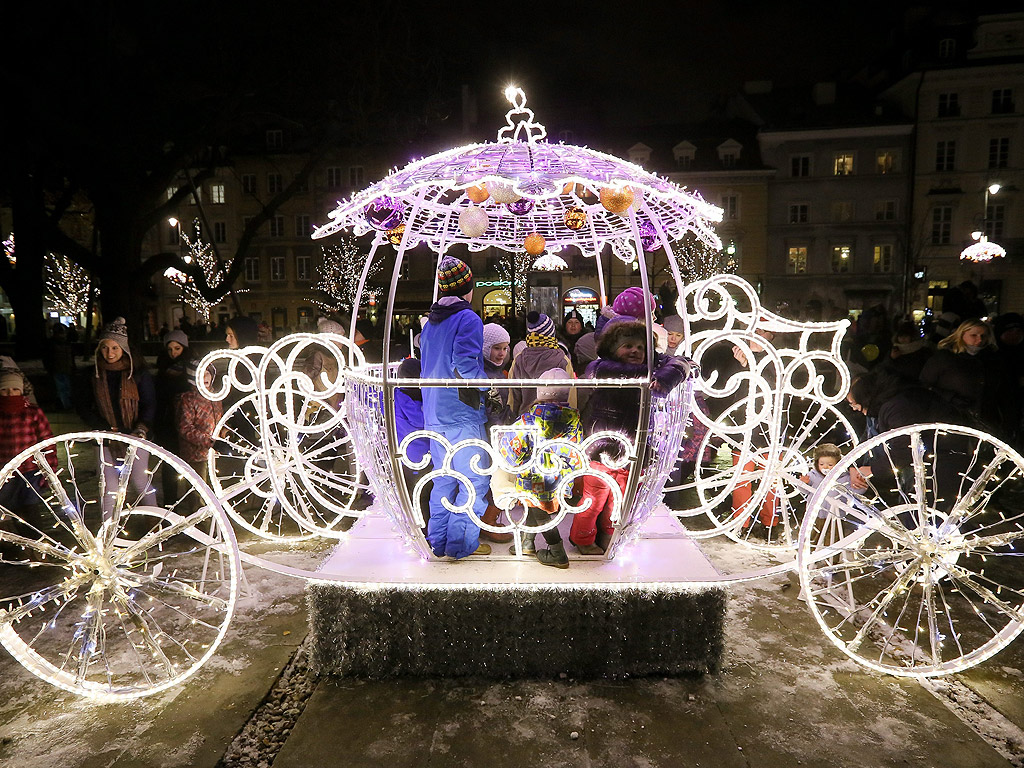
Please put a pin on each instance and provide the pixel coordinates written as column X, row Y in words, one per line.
column 451, row 345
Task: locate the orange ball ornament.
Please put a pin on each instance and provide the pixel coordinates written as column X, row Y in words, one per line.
column 575, row 219
column 534, row 244
column 616, row 199
column 395, row 235
column 478, row 193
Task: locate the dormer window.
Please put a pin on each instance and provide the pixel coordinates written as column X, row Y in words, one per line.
column 729, row 153
column 640, row 154
column 683, row 154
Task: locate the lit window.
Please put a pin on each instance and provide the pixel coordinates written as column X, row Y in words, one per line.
column 277, row 268
column 998, row 153
column 277, row 226
column 949, row 105
column 886, row 210
column 942, row 224
column 171, row 192
column 195, row 195
column 217, row 194
column 304, row 317
column 945, row 155
column 302, row 226
column 275, row 139
column 798, row 213
column 887, row 161
column 842, row 255
column 842, row 164
column 800, row 165
column 249, row 183
column 334, row 178
column 252, row 269
column 796, row 263
column 220, row 232
column 302, row 267
column 275, row 183
column 882, row 259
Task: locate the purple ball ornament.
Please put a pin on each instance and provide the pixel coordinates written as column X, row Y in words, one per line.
column 384, row 213
column 520, row 207
column 648, row 236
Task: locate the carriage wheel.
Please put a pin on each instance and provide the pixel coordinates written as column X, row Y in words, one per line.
column 753, row 493
column 105, row 594
column 918, row 575
column 319, row 479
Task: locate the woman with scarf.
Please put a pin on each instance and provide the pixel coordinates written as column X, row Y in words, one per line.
column 124, row 400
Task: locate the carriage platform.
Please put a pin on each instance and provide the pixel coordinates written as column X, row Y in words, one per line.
column 657, row 608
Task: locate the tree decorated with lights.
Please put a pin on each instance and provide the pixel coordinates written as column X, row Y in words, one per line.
column 514, row 267
column 699, row 261
column 339, row 274
column 68, row 285
column 206, row 282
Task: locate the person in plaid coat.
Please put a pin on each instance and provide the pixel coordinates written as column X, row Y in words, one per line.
column 197, row 419
column 22, row 425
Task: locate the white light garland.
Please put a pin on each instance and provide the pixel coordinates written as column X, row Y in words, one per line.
column 550, row 262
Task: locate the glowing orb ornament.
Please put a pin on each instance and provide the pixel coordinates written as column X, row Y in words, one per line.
column 473, row 221
column 384, row 213
column 575, row 219
column 616, row 199
column 502, row 193
column 648, row 236
column 478, row 193
column 520, row 207
column 395, row 235
column 534, row 244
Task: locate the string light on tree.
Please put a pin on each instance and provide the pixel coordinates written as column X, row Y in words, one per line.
column 340, row 271
column 68, row 285
column 699, row 261
column 203, row 264
column 513, row 267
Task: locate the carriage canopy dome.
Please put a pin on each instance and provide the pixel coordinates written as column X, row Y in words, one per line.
column 522, row 192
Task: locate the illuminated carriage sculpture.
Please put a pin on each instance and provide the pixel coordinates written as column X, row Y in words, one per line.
column 107, row 596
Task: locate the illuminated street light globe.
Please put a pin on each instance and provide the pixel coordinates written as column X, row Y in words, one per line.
column 500, row 194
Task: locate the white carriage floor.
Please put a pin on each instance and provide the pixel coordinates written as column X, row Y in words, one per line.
column 373, row 553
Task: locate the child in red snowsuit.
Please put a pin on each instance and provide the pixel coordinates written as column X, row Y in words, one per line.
column 622, row 354
column 197, row 418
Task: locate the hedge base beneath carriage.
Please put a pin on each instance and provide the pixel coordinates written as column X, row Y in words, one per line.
column 436, row 619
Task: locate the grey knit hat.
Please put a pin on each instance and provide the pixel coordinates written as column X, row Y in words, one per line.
column 176, row 335
column 117, row 331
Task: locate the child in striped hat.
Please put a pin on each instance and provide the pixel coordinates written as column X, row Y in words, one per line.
column 542, row 353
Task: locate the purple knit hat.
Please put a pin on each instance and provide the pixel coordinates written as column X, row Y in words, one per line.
column 631, row 302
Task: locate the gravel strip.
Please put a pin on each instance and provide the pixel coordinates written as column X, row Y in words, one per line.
column 257, row 744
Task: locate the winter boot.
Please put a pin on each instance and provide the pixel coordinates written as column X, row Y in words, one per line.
column 603, row 540
column 529, row 546
column 587, row 549
column 491, row 518
column 554, row 556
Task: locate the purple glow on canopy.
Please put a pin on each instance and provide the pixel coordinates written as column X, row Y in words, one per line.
column 384, row 213
column 648, row 236
column 520, row 207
